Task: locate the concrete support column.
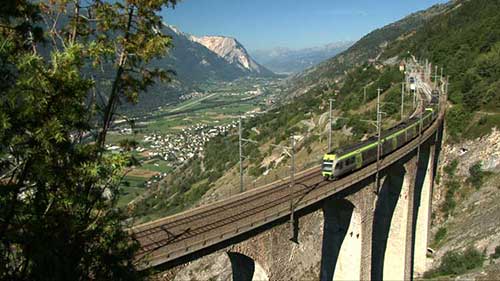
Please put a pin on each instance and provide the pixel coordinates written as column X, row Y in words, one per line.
column 366, row 201
column 347, row 237
column 411, row 168
column 394, row 260
column 424, row 217
column 341, row 247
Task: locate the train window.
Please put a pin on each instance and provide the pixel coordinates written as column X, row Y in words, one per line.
column 351, row 160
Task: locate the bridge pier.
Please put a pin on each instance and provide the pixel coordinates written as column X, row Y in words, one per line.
column 392, row 225
column 410, row 179
column 423, row 215
column 341, row 246
column 366, row 200
column 347, row 240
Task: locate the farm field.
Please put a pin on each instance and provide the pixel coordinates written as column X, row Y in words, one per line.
column 215, row 106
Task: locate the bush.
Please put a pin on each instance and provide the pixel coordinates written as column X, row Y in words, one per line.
column 496, row 254
column 440, row 235
column 477, row 175
column 457, row 119
column 449, row 202
column 455, row 263
column 451, row 168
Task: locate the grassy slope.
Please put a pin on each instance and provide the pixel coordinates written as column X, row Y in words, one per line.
column 366, row 48
column 183, row 189
column 466, row 41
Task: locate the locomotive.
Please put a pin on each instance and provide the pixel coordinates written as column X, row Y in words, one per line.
column 345, row 160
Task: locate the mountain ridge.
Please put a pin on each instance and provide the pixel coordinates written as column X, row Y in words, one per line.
column 196, row 60
column 286, row 60
column 232, row 51
column 365, row 49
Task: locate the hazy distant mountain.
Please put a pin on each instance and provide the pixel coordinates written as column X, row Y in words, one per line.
column 208, row 58
column 284, row 60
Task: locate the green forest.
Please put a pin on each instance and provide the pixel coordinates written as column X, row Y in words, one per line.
column 466, row 42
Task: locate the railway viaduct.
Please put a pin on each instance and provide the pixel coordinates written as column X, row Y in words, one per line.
column 348, row 229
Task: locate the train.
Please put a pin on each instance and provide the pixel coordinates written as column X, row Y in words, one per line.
column 347, row 159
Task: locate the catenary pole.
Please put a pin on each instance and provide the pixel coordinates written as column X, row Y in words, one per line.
column 292, row 185
column 241, row 154
column 330, row 127
column 379, row 127
column 402, row 100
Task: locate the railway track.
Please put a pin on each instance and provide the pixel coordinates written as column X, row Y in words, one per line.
column 179, row 235
column 220, row 216
column 218, row 209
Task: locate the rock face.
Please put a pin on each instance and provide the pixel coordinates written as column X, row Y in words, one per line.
column 208, row 58
column 232, row 51
column 474, row 221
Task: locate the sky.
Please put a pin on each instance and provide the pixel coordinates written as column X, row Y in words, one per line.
column 266, row 24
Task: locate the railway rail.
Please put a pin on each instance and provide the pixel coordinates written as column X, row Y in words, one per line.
column 171, row 238
column 168, row 239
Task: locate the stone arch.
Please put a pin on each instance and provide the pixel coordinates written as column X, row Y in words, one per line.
column 341, row 245
column 223, row 266
column 244, row 268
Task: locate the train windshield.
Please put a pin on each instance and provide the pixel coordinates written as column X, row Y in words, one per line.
column 327, row 166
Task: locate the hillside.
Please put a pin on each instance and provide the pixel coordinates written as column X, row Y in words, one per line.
column 367, row 48
column 195, row 63
column 464, row 37
column 466, row 41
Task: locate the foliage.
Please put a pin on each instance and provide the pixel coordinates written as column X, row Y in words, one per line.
column 58, row 189
column 496, row 254
column 370, row 79
column 457, row 119
column 451, row 168
column 455, row 263
column 449, row 203
column 483, row 126
column 440, row 235
column 466, row 40
column 477, row 175
column 128, row 144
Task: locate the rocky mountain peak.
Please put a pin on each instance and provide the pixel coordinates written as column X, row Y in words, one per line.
column 231, row 50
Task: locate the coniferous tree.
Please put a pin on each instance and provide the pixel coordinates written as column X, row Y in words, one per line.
column 65, row 66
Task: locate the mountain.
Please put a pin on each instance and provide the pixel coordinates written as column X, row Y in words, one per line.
column 209, row 58
column 233, row 52
column 367, row 48
column 196, row 61
column 284, row 60
column 464, row 37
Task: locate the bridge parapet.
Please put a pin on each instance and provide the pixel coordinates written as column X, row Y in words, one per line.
column 195, row 233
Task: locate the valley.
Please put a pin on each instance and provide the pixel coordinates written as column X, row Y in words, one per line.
column 171, row 135
column 250, row 140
